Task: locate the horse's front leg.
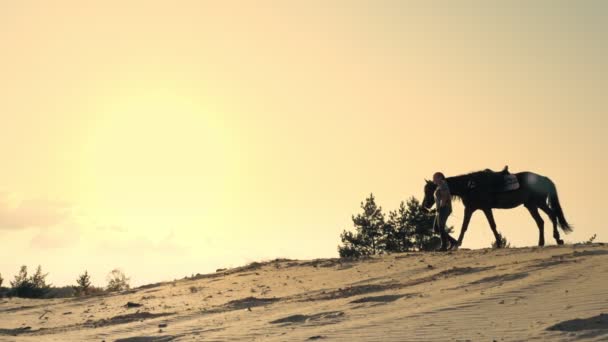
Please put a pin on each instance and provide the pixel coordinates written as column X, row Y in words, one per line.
column 465, row 223
column 492, row 223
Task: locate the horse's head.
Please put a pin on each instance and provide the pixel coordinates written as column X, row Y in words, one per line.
column 429, row 190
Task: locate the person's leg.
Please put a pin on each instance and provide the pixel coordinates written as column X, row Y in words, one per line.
column 447, row 241
column 436, row 224
column 438, row 229
column 447, row 211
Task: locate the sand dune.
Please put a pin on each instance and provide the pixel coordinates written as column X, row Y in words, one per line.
column 543, row 294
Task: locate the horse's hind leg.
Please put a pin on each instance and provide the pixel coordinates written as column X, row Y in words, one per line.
column 539, row 222
column 544, row 207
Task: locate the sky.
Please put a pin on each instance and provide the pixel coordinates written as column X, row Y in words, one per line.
column 168, row 138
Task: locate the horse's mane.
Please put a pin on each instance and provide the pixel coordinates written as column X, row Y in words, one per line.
column 476, row 175
column 481, row 179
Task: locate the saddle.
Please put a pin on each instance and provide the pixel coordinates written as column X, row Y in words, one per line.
column 502, row 181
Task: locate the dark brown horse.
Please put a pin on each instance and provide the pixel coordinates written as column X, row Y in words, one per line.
column 481, row 191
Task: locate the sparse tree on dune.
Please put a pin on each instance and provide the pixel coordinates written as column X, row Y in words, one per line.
column 408, row 228
column 421, row 223
column 390, row 241
column 369, row 228
column 34, row 286
column 353, row 245
column 20, row 278
column 370, row 224
column 400, row 237
column 83, row 284
column 117, row 281
column 39, row 279
column 21, row 285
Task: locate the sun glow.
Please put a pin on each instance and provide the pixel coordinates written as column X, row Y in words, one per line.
column 246, row 132
column 160, row 158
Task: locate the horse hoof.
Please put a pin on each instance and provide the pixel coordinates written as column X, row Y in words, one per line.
column 560, row 242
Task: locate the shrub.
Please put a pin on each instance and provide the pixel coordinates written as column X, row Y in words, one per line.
column 503, row 242
column 408, row 228
column 60, row 292
column 117, row 281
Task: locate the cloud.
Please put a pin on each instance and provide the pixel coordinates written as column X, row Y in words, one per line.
column 112, row 228
column 33, row 213
column 55, row 238
column 140, row 245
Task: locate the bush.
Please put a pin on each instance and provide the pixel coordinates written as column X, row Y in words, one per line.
column 60, row 292
column 408, row 228
column 34, row 286
column 117, row 281
column 195, row 289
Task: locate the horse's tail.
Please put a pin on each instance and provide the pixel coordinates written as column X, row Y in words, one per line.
column 557, row 208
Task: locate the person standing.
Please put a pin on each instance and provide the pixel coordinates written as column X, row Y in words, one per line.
column 443, row 204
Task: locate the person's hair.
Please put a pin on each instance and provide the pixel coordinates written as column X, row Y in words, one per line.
column 438, row 174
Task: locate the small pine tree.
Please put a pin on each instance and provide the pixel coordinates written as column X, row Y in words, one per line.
column 352, row 245
column 21, row 285
column 420, row 222
column 34, row 286
column 369, row 224
column 38, row 279
column 117, row 281
column 83, row 284
column 21, row 278
column 400, row 238
column 389, row 241
column 369, row 228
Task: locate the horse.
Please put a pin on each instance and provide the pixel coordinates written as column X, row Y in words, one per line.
column 478, row 191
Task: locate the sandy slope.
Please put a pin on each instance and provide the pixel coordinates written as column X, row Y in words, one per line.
column 548, row 294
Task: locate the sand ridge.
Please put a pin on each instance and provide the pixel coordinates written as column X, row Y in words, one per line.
column 551, row 293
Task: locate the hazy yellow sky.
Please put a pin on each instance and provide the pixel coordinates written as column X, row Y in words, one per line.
column 174, row 137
